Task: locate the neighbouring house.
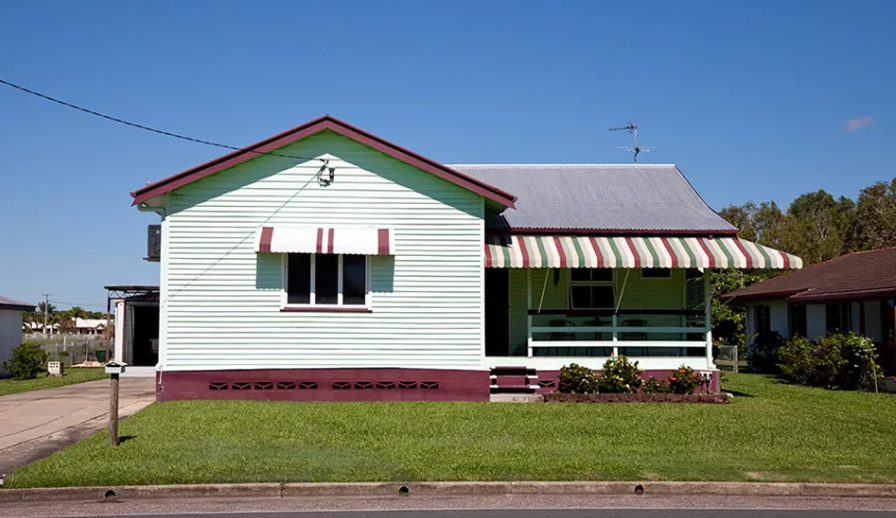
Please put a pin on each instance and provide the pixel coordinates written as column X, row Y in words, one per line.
column 10, row 328
column 90, row 326
column 325, row 263
column 852, row 293
column 38, row 327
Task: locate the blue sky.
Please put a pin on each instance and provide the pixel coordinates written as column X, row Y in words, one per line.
column 751, row 99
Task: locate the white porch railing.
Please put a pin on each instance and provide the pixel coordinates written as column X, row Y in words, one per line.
column 609, row 332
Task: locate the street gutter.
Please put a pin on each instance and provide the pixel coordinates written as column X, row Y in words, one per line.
column 395, row 489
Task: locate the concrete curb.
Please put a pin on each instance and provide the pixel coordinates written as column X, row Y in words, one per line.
column 392, row 489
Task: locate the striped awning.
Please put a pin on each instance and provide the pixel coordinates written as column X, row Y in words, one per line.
column 633, row 252
column 321, row 240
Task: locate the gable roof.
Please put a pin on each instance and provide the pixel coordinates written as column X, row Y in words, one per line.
column 310, row 128
column 852, row 276
column 600, row 198
column 15, row 305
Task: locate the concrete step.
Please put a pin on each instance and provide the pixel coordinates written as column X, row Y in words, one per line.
column 516, row 398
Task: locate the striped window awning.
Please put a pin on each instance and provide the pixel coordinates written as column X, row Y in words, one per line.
column 321, row 240
column 633, row 252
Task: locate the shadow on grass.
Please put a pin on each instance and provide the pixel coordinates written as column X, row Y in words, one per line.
column 125, row 438
column 737, row 393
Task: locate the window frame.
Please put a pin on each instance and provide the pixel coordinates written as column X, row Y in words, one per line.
column 311, row 305
column 760, row 310
column 590, row 283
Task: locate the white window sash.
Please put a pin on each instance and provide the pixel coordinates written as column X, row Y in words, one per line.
column 312, row 299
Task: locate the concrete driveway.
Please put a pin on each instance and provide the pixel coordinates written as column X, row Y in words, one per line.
column 37, row 423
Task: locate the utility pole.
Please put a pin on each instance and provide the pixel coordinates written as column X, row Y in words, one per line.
column 46, row 307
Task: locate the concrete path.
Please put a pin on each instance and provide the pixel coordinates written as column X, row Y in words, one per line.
column 37, row 423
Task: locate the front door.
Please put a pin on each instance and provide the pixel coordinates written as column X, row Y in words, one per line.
column 497, row 303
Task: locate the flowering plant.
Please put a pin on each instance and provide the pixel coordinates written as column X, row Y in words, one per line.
column 619, row 376
column 655, row 386
column 684, row 380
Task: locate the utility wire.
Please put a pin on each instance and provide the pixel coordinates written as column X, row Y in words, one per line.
column 148, row 128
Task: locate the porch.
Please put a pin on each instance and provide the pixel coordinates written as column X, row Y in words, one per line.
column 555, row 300
column 548, row 318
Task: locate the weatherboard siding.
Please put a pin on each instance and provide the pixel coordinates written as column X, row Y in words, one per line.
column 221, row 300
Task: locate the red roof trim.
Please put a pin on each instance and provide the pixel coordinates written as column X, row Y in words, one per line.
column 310, row 128
column 607, row 232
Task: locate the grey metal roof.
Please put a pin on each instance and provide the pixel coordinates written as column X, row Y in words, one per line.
column 609, row 197
column 15, row 305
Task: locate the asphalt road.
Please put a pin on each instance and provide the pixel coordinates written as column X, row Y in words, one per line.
column 471, row 506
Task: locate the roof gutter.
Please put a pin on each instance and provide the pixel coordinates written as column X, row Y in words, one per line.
column 608, row 232
column 878, row 293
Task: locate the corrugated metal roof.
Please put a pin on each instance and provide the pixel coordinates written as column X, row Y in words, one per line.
column 17, row 305
column 856, row 275
column 611, row 197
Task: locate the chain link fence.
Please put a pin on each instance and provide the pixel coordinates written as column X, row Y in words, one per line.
column 70, row 349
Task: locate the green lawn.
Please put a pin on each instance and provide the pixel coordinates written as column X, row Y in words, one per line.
column 771, row 431
column 72, row 376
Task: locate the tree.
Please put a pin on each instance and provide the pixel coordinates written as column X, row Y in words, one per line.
column 875, row 220
column 819, row 227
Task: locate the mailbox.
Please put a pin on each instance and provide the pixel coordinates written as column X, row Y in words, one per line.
column 114, row 367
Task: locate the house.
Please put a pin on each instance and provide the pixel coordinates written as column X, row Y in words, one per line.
column 326, row 263
column 90, row 326
column 38, row 327
column 852, row 293
column 10, row 328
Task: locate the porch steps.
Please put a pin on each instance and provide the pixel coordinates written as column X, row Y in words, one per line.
column 513, row 380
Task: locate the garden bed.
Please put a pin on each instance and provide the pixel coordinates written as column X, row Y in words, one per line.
column 639, row 397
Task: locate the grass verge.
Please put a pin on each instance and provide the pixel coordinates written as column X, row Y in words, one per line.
column 771, row 432
column 72, row 376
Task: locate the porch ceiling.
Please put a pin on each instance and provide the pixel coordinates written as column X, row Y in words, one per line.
column 633, row 252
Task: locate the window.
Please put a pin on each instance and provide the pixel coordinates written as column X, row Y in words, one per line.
column 656, row 273
column 326, row 280
column 591, row 288
column 762, row 316
column 837, row 318
column 798, row 320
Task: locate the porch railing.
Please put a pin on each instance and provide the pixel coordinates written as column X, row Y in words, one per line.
column 611, row 330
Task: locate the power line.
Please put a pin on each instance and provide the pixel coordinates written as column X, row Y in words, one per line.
column 148, row 128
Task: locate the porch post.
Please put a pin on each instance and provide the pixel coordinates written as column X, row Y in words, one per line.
column 615, row 335
column 707, row 318
column 528, row 308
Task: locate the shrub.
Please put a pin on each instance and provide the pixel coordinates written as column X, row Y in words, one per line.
column 619, row 376
column 577, row 379
column 859, row 368
column 655, row 386
column 836, row 361
column 763, row 354
column 684, row 380
column 795, row 360
column 28, row 361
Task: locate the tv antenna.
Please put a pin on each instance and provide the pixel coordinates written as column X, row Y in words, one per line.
column 633, row 129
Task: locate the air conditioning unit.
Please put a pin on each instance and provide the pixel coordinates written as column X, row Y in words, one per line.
column 154, row 243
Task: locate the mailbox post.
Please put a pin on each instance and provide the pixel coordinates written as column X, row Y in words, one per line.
column 114, row 369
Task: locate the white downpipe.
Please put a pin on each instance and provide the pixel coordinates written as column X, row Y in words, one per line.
column 163, row 292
